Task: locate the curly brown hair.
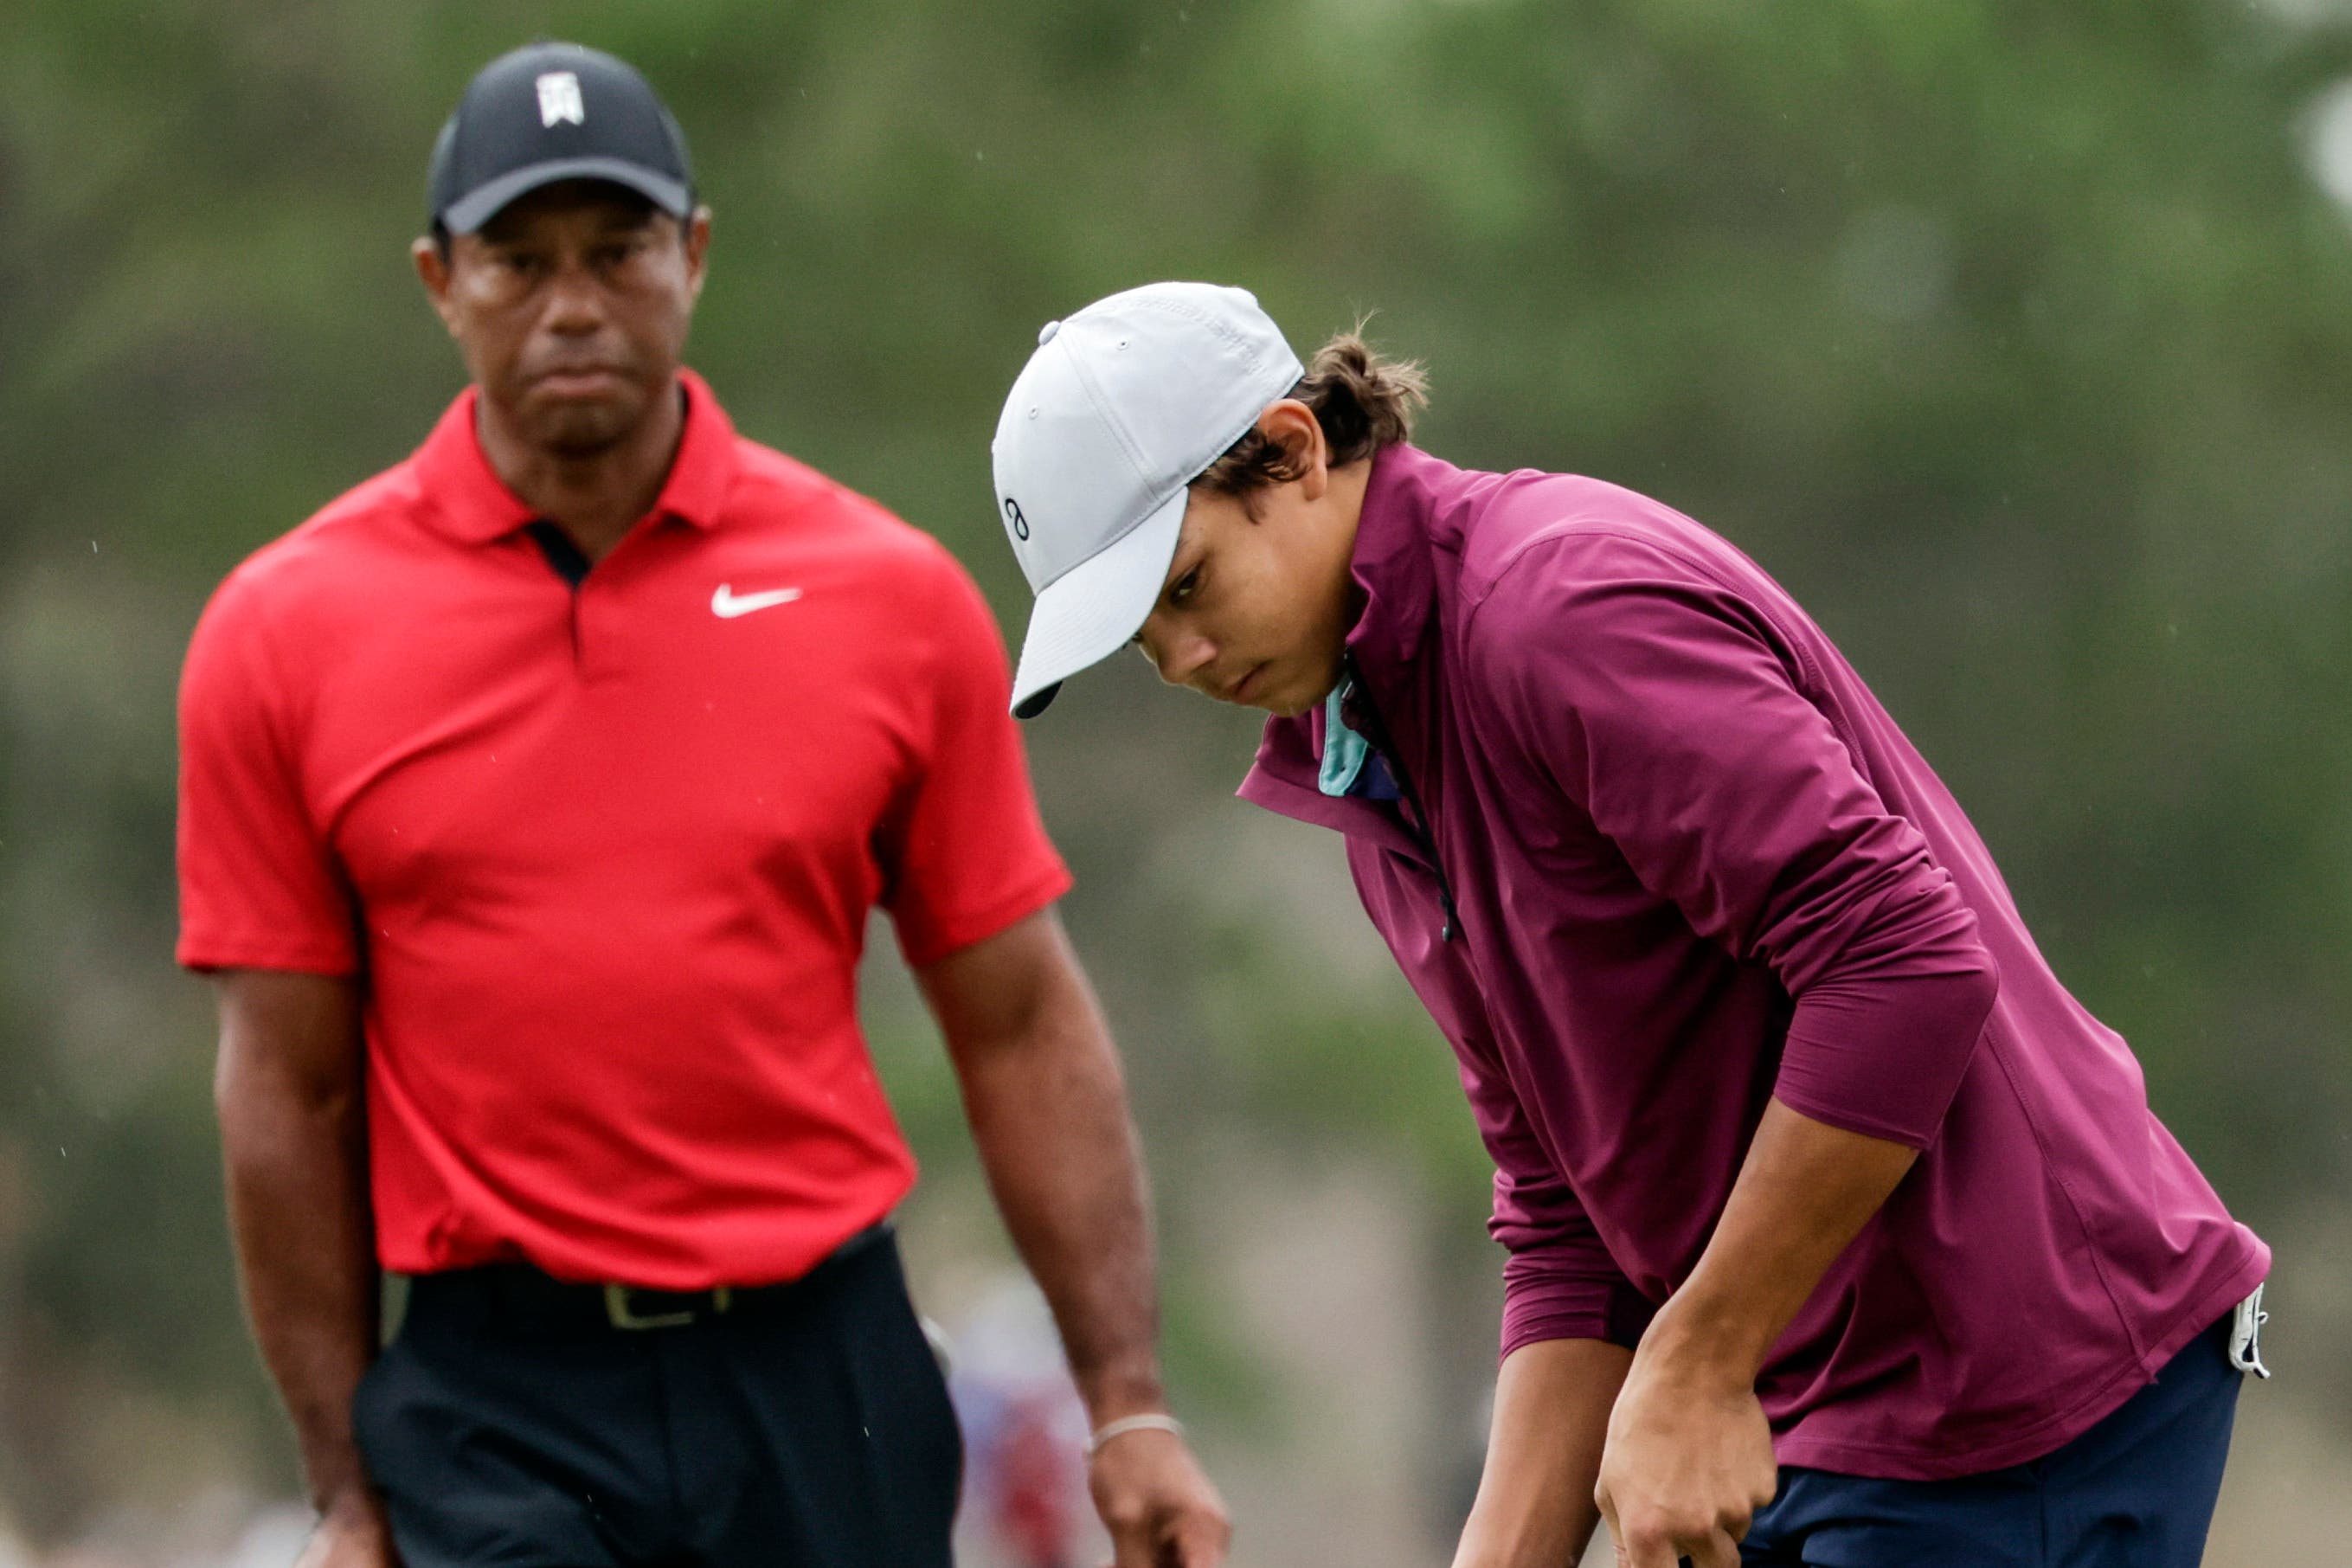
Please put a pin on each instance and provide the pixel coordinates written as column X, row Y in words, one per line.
column 1363, row 401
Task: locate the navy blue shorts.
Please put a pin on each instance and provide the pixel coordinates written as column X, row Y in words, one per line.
column 2135, row 1491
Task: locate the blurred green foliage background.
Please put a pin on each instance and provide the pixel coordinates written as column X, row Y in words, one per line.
column 2012, row 336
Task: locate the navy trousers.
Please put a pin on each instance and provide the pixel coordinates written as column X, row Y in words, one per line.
column 2135, row 1491
column 806, row 1426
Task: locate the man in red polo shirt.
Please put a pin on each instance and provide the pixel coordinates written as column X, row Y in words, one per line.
column 534, row 797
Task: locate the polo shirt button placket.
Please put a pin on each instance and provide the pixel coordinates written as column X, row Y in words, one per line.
column 582, row 652
column 564, row 558
column 599, row 602
column 594, row 611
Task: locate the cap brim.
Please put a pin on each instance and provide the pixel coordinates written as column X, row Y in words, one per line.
column 1095, row 608
column 478, row 206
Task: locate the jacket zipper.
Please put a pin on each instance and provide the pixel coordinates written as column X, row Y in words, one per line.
column 1416, row 820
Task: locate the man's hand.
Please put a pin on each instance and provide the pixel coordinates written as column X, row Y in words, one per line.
column 1043, row 1090
column 1161, row 1510
column 291, row 1087
column 1689, row 1456
column 1688, row 1462
column 350, row 1535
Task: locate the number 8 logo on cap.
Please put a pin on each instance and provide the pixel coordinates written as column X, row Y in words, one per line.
column 1013, row 515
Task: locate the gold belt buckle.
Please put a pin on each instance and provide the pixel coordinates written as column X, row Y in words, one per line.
column 621, row 1315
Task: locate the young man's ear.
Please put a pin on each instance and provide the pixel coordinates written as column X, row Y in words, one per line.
column 1292, row 425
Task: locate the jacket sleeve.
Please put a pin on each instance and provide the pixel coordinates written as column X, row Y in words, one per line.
column 1673, row 711
column 1559, row 1281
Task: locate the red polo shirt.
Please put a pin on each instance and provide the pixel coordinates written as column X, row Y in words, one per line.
column 603, row 855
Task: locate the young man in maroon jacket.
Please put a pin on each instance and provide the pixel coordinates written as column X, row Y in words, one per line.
column 1839, row 1233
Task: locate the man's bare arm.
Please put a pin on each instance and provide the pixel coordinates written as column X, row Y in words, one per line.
column 1535, row 1507
column 1043, row 1089
column 1689, row 1456
column 288, row 1090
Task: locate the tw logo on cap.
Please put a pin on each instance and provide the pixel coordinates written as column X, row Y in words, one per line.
column 559, row 99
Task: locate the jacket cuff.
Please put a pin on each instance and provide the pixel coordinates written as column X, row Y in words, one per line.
column 1550, row 1309
column 1884, row 1059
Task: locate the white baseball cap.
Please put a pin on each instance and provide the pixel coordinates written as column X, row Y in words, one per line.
column 1122, row 406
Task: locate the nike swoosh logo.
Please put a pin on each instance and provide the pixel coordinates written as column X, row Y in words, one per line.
column 726, row 604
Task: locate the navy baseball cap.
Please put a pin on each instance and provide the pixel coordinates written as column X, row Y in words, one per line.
column 553, row 112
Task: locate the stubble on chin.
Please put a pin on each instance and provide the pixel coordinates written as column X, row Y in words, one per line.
column 584, row 431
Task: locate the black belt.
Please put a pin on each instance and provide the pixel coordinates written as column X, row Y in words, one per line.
column 517, row 1296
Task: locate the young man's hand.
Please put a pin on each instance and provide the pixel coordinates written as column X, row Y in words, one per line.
column 1158, row 1507
column 1689, row 1459
column 1687, row 1463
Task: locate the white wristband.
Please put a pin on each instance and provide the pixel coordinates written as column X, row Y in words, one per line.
column 1126, row 1424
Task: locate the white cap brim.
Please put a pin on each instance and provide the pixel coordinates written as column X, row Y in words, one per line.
column 1095, row 608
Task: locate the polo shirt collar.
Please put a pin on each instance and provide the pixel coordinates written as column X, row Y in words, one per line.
column 466, row 499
